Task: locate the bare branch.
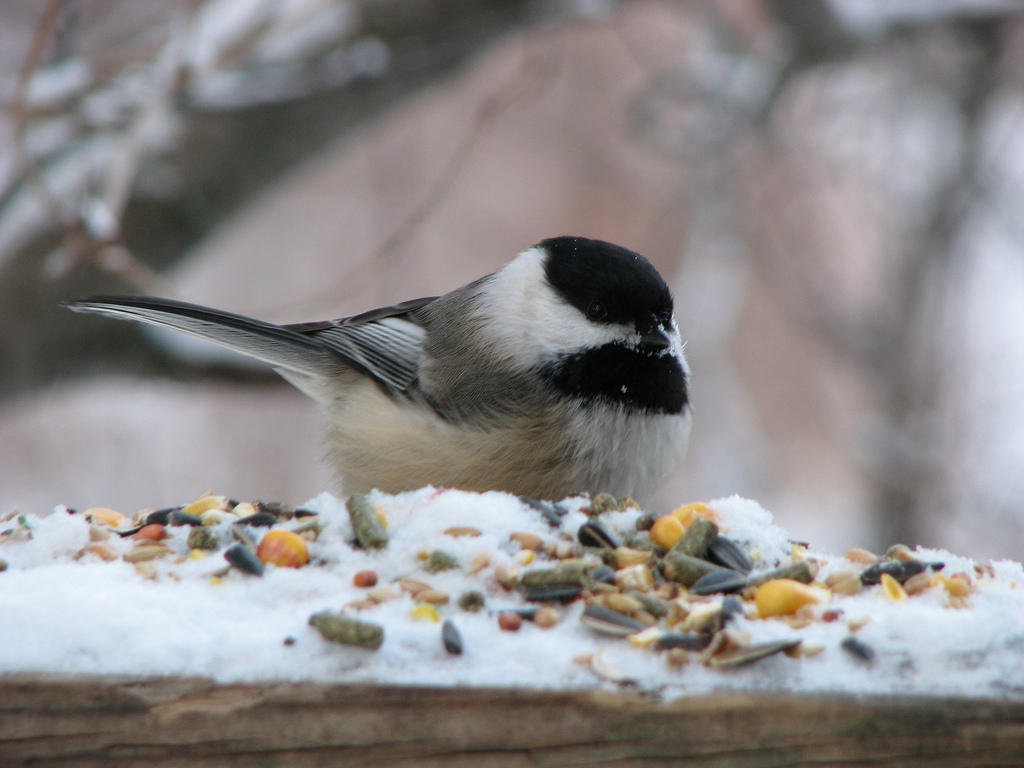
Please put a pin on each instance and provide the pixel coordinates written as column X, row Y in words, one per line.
column 19, row 107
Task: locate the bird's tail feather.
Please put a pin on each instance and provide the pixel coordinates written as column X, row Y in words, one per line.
column 281, row 347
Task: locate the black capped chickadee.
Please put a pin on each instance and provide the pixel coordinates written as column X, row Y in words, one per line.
column 561, row 372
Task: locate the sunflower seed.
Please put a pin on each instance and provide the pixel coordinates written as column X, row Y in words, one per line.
column 732, row 607
column 451, row 638
column 179, row 517
column 257, row 519
column 653, row 605
column 552, row 513
column 609, row 622
column 727, row 553
column 244, row 559
column 593, row 534
column 552, row 593
column 242, row 535
column 860, row 650
column 901, row 570
column 691, row 641
column 161, row 516
column 719, row 582
column 747, row 654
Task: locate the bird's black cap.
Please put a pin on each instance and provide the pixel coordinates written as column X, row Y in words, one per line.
column 606, row 282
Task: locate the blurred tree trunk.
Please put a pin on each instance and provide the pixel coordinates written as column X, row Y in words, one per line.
column 911, row 482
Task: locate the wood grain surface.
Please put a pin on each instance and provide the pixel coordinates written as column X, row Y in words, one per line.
column 119, row 722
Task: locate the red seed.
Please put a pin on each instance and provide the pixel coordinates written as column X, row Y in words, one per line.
column 365, row 579
column 152, row 532
column 510, row 621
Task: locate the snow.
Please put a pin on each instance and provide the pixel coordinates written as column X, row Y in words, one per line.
column 86, row 616
column 59, row 82
column 300, row 31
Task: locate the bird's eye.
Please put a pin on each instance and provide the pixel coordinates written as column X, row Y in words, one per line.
column 596, row 311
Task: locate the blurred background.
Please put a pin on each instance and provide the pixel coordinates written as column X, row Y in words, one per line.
column 834, row 191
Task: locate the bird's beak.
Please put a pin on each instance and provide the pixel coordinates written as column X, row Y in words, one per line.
column 654, row 340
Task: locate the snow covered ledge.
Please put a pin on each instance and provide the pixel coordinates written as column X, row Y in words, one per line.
column 497, row 638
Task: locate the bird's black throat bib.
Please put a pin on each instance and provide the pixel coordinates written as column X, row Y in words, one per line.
column 616, row 373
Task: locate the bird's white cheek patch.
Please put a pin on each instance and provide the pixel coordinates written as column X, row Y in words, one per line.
column 527, row 319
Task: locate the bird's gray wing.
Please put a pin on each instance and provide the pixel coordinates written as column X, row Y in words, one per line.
column 385, row 344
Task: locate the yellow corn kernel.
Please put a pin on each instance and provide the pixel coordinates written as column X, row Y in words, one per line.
column 524, row 556
column 206, row 502
column 686, row 513
column 381, row 515
column 893, row 589
column 425, row 612
column 196, row 554
column 110, row 517
column 781, row 597
column 666, row 531
column 283, row 548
